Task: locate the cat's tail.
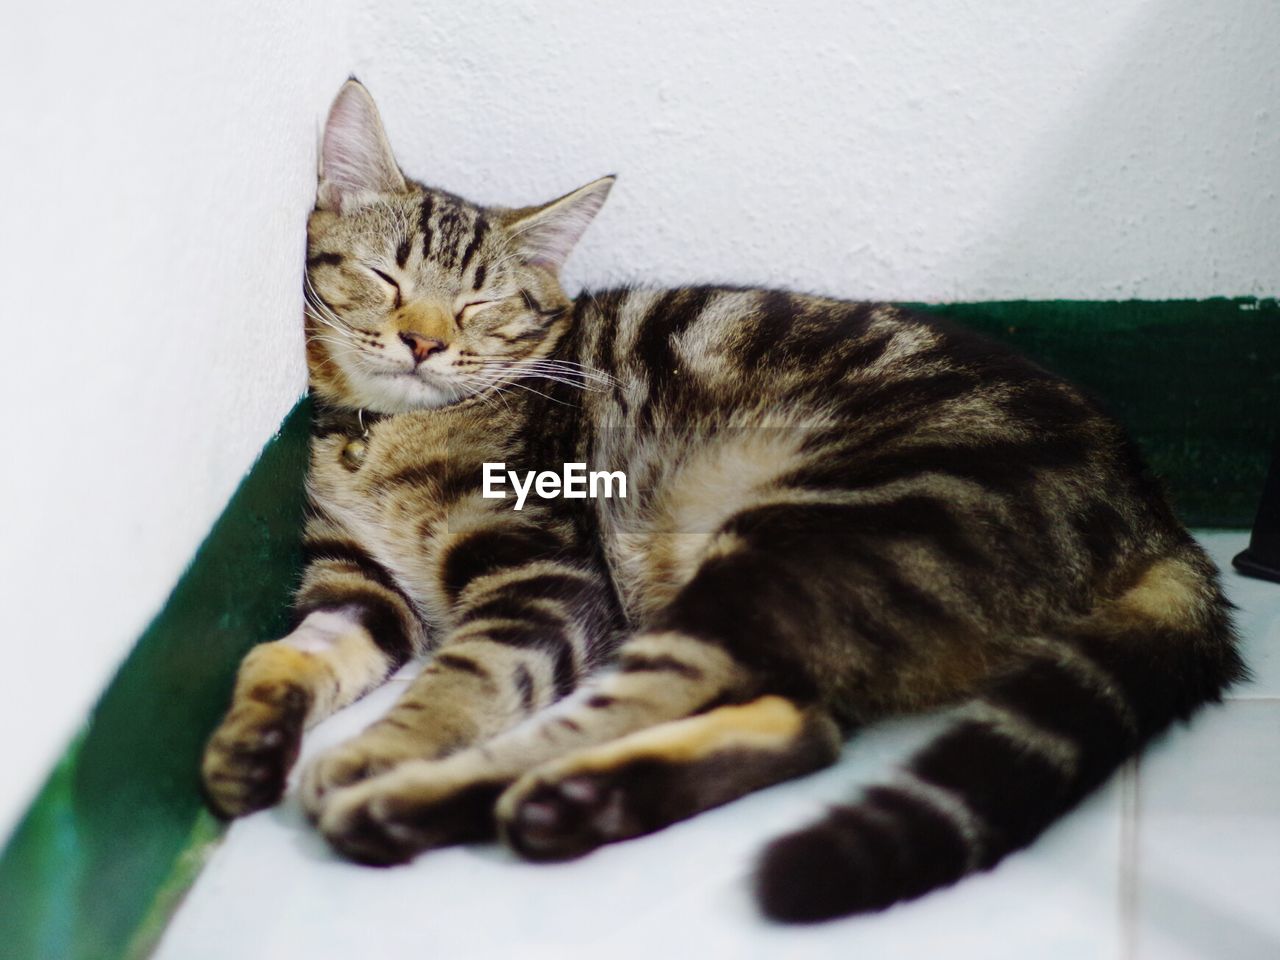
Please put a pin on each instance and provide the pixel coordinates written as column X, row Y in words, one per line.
column 1023, row 753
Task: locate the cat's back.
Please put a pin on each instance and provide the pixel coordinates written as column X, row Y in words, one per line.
column 727, row 401
column 684, row 355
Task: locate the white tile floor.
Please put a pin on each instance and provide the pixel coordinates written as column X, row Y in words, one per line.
column 1178, row 857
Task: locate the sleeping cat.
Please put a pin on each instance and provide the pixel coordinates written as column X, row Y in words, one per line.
column 836, row 512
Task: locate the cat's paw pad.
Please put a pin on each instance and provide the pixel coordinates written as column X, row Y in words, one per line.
column 249, row 756
column 391, row 818
column 561, row 818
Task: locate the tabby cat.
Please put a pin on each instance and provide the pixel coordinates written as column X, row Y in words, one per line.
column 836, row 512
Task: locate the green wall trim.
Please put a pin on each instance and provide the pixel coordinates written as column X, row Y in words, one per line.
column 118, row 833
column 1197, row 382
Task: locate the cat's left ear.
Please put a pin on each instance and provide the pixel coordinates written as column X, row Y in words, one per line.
column 355, row 156
column 546, row 235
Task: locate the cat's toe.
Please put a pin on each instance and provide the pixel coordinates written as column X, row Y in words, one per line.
column 563, row 818
column 361, row 828
column 330, row 772
column 346, row 765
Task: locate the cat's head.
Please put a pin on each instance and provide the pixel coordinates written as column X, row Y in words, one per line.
column 415, row 297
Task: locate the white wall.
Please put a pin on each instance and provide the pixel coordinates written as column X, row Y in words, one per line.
column 923, row 149
column 157, row 167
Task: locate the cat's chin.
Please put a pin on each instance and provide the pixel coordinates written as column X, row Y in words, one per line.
column 405, row 392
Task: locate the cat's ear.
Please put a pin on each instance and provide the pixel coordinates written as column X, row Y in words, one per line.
column 546, row 235
column 355, row 155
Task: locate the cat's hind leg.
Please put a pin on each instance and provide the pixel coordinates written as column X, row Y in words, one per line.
column 788, row 604
column 651, row 779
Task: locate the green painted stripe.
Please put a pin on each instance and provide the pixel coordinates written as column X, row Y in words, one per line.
column 1196, row 381
column 115, row 830
column 118, row 832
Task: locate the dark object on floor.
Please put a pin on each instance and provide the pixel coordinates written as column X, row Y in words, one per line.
column 1262, row 558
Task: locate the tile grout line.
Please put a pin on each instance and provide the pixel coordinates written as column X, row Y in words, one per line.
column 1128, row 905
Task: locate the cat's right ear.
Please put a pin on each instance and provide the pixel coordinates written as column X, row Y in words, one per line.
column 356, row 162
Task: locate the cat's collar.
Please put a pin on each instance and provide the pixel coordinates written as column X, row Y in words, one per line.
column 328, row 419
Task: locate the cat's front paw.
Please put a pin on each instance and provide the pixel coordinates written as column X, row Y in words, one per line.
column 417, row 806
column 351, row 763
column 249, row 756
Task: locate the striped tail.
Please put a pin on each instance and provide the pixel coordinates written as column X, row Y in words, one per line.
column 1025, row 752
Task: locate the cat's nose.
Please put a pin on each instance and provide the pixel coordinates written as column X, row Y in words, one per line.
column 421, row 346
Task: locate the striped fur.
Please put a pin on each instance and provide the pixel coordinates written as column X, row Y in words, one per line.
column 839, row 511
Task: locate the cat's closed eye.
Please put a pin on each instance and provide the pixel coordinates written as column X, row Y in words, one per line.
column 469, row 310
column 389, row 280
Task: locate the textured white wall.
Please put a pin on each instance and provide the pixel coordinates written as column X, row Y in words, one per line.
column 157, row 166
column 882, row 148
